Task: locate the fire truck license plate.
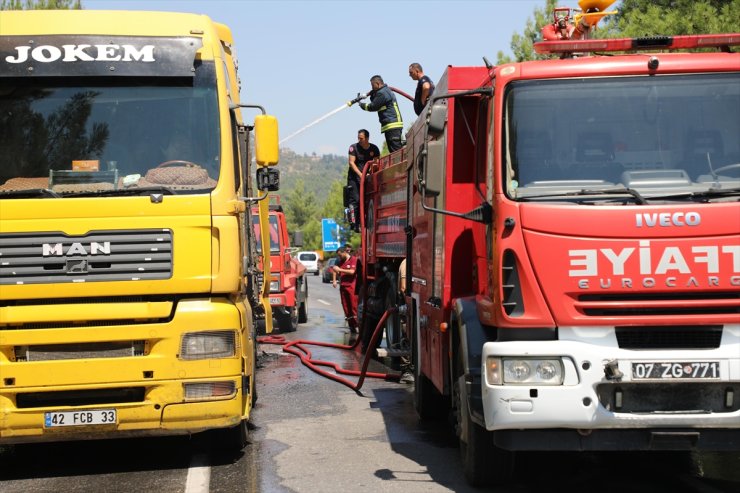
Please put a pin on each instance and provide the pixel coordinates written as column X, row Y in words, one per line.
column 656, row 370
column 80, row 418
column 274, row 301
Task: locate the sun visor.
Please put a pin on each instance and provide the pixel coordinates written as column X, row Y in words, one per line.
column 110, row 56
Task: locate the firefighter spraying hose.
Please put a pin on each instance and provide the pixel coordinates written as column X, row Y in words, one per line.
column 298, row 347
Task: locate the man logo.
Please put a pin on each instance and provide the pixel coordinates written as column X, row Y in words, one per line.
column 58, row 249
column 76, row 266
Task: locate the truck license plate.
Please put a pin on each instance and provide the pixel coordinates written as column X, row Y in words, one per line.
column 274, row 301
column 80, row 418
column 662, row 370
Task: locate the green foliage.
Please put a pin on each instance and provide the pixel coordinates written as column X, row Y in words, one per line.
column 40, row 4
column 636, row 18
column 313, row 183
column 522, row 44
column 316, row 172
column 301, row 213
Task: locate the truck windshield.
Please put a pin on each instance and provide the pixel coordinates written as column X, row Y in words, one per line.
column 71, row 136
column 274, row 234
column 658, row 136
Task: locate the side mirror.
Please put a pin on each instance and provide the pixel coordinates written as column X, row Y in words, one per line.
column 436, row 119
column 266, row 147
column 298, row 238
column 434, row 166
column 268, row 179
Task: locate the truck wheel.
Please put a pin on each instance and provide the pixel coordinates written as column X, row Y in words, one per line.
column 484, row 464
column 303, row 306
column 253, row 378
column 231, row 440
column 288, row 322
column 393, row 321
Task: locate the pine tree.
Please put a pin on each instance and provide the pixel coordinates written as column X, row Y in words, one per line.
column 40, row 4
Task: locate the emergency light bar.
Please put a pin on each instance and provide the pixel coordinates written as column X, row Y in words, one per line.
column 634, row 44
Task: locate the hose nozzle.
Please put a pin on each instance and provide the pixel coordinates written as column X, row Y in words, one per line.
column 359, row 98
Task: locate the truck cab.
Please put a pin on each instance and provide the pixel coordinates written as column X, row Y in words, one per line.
column 288, row 281
column 128, row 278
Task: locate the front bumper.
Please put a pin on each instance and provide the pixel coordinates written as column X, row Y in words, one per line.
column 159, row 414
column 585, row 400
column 147, row 389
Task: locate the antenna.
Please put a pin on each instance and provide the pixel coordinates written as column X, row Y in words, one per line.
column 489, row 65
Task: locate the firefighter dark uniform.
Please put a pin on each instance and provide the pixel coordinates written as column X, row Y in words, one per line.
column 418, row 103
column 391, row 124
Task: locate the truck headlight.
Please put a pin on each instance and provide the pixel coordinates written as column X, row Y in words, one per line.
column 532, row 371
column 524, row 371
column 199, row 391
column 275, row 285
column 208, row 344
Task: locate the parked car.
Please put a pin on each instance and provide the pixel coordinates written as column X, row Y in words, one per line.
column 310, row 261
column 327, row 269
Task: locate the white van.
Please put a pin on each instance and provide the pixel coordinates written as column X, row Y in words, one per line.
column 310, row 261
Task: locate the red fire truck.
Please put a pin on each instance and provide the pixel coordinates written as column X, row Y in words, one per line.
column 288, row 283
column 572, row 234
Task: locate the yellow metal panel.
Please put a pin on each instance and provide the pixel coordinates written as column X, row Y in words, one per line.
column 227, row 252
column 266, row 140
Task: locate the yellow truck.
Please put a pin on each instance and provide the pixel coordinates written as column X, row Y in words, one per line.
column 128, row 265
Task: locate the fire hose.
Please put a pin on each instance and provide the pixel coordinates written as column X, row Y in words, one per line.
column 297, row 348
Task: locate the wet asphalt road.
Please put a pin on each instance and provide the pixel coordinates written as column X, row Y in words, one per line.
column 310, row 434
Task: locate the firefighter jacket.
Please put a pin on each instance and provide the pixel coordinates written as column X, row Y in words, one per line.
column 384, row 102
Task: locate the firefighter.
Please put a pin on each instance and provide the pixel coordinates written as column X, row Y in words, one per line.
column 359, row 153
column 384, row 102
column 346, row 270
column 424, row 87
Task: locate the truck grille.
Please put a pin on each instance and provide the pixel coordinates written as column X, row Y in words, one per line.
column 617, row 305
column 80, row 397
column 54, row 257
column 52, row 352
column 669, row 398
column 657, row 337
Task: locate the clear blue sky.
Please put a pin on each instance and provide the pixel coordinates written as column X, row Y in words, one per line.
column 302, row 59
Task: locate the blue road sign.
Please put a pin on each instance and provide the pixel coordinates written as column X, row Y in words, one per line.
column 330, row 234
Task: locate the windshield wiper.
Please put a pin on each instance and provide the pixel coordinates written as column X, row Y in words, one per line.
column 31, row 193
column 585, row 191
column 706, row 194
column 125, row 191
column 613, row 191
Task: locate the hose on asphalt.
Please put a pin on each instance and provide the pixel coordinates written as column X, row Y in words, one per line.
column 298, row 348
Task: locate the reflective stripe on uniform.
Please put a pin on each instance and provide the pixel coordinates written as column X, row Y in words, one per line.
column 397, row 124
column 390, row 126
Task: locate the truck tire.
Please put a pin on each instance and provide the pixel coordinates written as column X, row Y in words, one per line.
column 393, row 321
column 287, row 322
column 253, row 378
column 484, row 464
column 230, row 440
column 303, row 305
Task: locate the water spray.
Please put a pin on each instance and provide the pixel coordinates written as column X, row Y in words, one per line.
column 302, row 129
